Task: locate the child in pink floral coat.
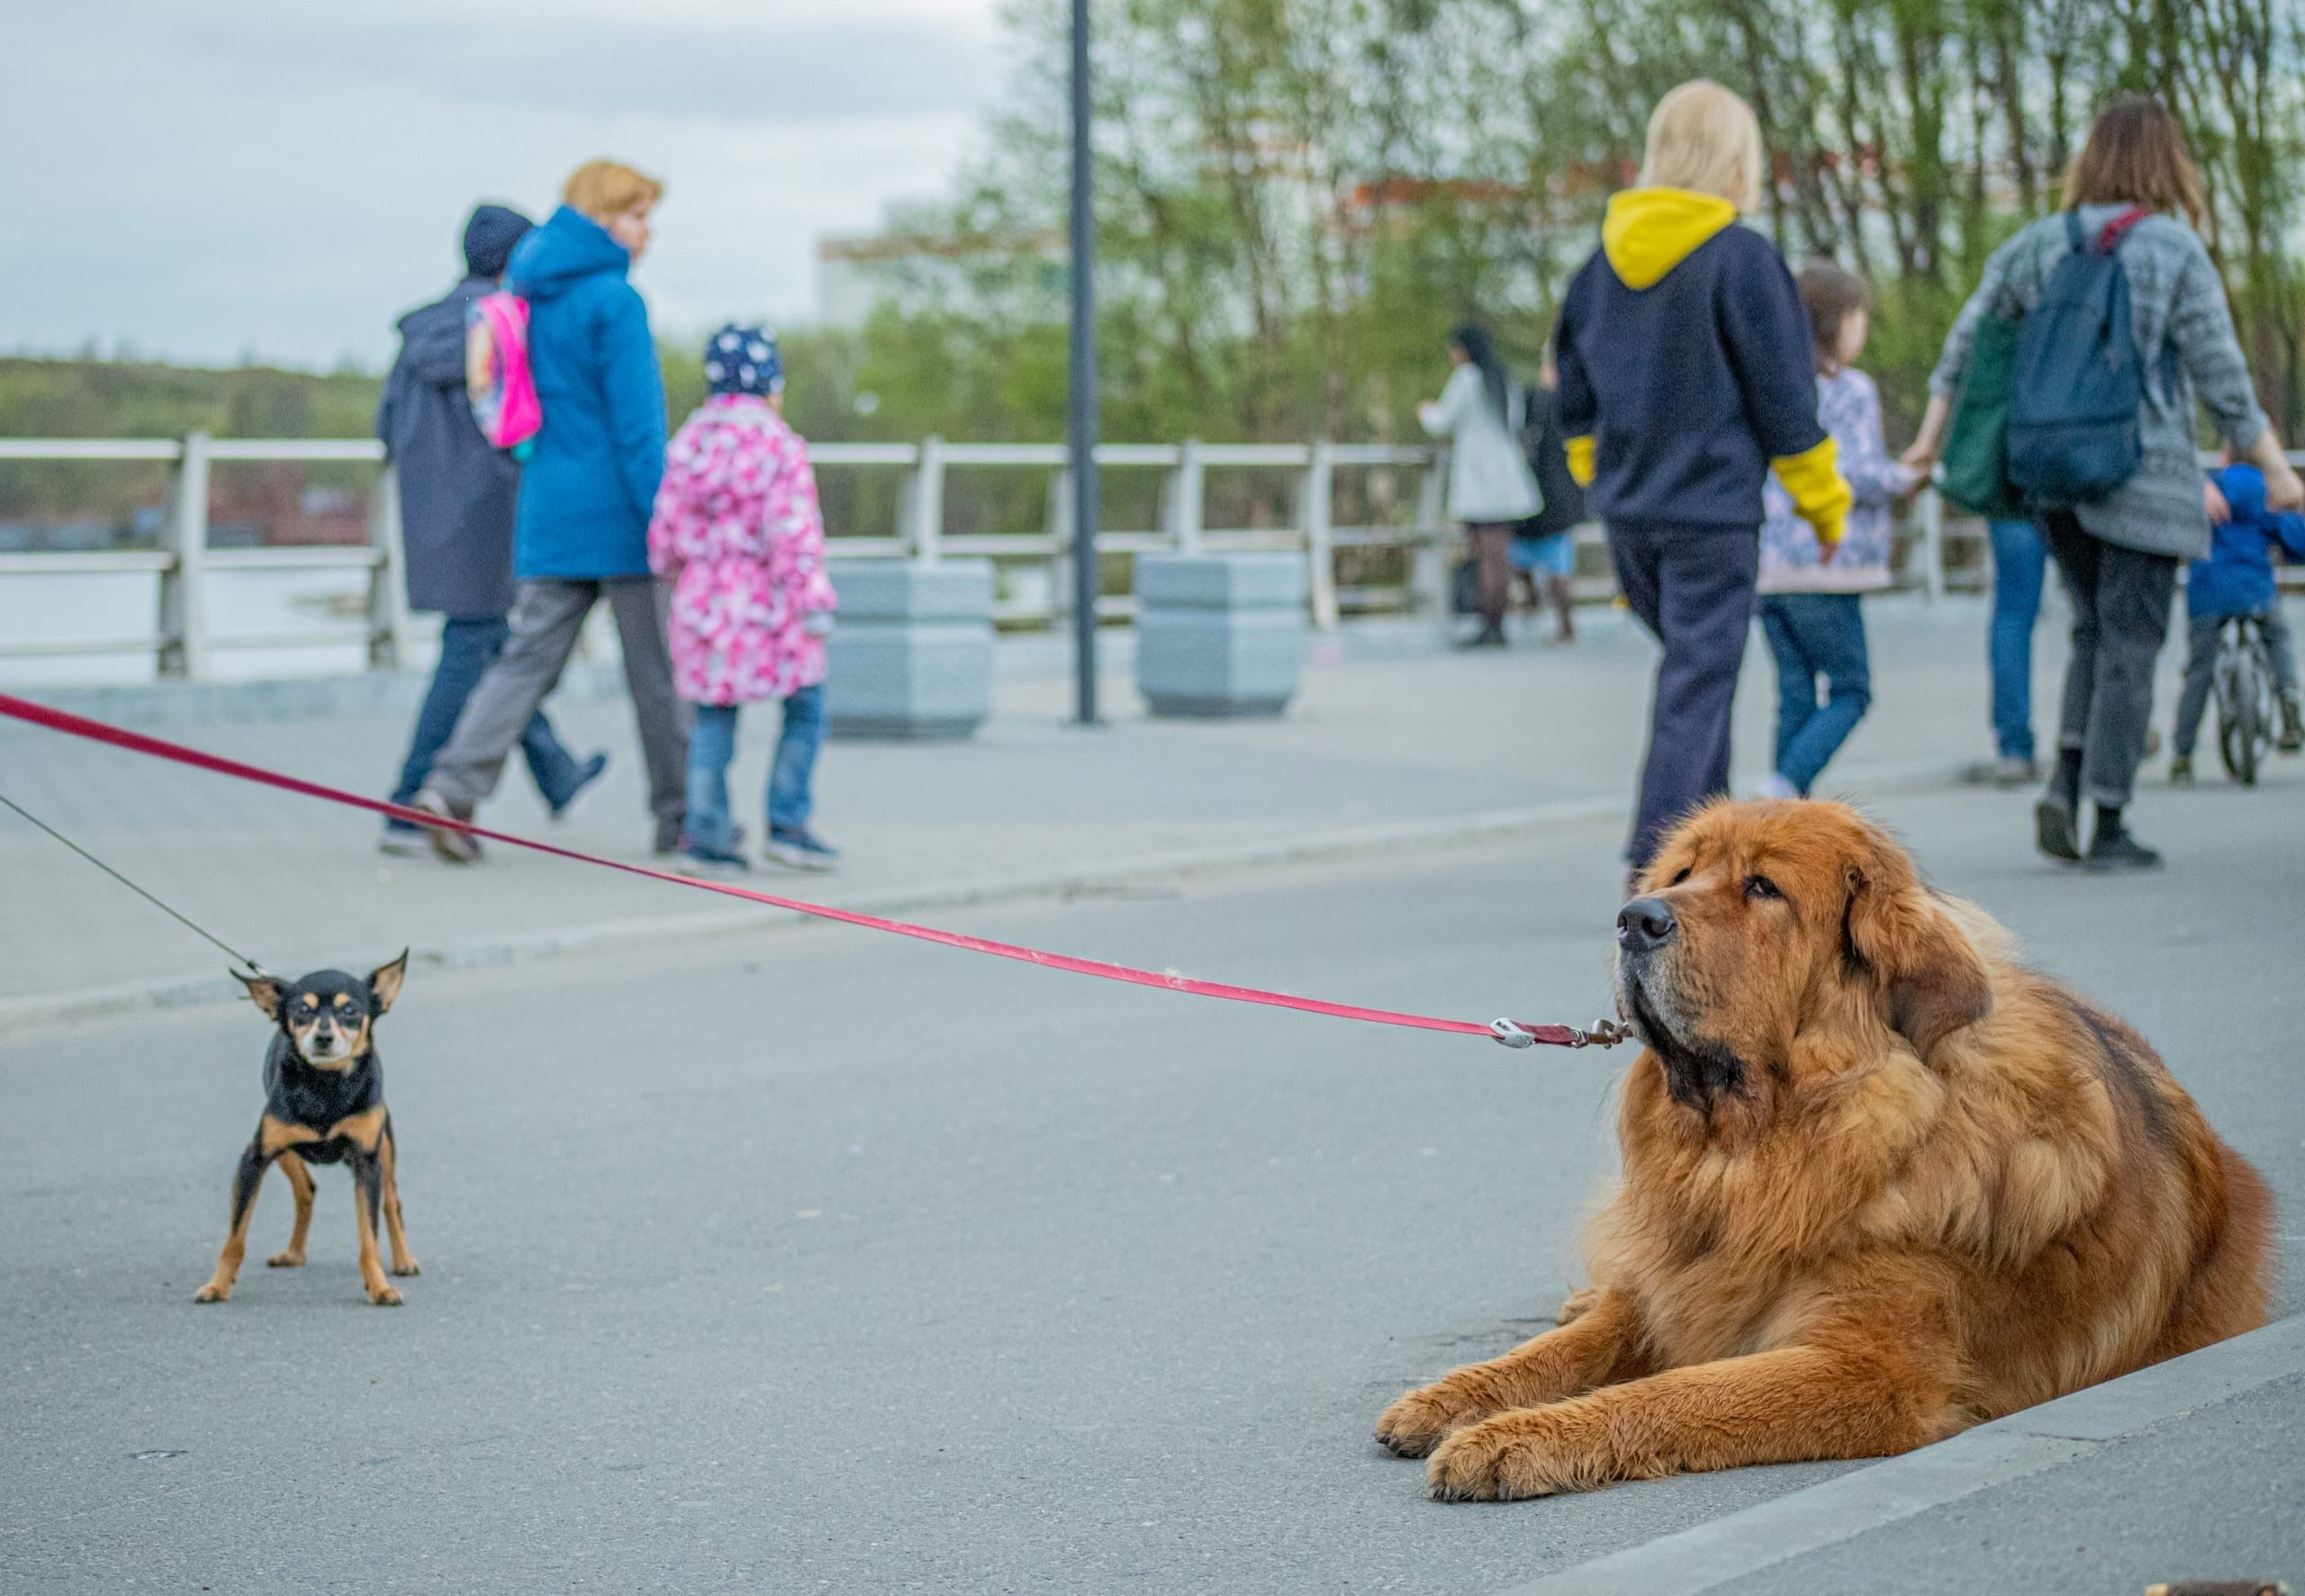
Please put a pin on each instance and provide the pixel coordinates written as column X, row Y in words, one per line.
column 738, row 532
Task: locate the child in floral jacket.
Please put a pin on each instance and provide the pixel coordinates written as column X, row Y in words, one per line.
column 738, row 532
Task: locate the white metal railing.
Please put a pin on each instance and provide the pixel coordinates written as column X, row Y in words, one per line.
column 184, row 643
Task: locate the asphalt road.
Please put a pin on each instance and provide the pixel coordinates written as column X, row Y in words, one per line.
column 813, row 1259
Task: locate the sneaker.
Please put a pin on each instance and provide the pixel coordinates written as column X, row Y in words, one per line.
column 2292, row 728
column 1488, row 637
column 2008, row 770
column 714, row 862
column 588, row 777
column 802, row 850
column 403, row 839
column 457, row 847
column 2054, row 830
column 2181, row 769
column 2120, row 852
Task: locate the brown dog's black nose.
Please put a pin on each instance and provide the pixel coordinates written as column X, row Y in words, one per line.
column 1644, row 925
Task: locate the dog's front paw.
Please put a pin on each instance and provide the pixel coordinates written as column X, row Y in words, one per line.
column 384, row 1296
column 1578, row 1303
column 212, row 1293
column 1416, row 1423
column 1529, row 1452
column 290, row 1257
column 407, row 1265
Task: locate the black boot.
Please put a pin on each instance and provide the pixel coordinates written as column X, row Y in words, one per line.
column 2113, row 849
column 1490, row 636
column 2057, row 820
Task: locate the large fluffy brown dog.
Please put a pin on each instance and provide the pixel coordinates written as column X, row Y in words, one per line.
column 1881, row 1183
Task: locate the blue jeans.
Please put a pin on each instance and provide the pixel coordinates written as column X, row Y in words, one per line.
column 2018, row 558
column 1813, row 635
column 713, row 743
column 468, row 643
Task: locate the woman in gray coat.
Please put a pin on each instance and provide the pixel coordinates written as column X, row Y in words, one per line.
column 2120, row 557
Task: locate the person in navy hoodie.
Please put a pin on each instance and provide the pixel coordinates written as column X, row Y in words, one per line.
column 2236, row 580
column 1685, row 379
column 586, row 491
column 456, row 498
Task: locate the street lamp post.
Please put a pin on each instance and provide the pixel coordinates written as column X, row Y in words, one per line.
column 1083, row 384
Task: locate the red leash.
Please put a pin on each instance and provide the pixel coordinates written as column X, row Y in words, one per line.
column 1606, row 1034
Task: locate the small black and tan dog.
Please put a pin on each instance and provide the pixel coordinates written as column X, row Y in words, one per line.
column 323, row 1102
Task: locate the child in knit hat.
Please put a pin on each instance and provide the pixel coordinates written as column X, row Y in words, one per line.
column 738, row 533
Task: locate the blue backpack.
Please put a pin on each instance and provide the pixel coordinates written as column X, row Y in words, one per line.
column 2079, row 380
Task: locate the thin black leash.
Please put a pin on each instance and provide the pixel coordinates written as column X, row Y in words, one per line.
column 188, row 925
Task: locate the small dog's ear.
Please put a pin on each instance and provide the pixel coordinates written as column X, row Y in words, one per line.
column 265, row 991
column 1931, row 979
column 385, row 984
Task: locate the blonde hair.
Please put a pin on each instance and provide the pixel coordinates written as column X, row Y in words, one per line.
column 1703, row 137
column 604, row 190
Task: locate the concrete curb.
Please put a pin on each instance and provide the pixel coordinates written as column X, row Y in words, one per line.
column 2026, row 1443
column 20, row 1016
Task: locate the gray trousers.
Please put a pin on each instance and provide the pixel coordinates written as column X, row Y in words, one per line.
column 2200, row 667
column 2120, row 617
column 546, row 616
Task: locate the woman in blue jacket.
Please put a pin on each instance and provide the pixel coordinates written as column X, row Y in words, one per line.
column 1686, row 378
column 582, row 531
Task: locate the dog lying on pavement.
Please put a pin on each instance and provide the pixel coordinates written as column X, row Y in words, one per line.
column 1881, row 1182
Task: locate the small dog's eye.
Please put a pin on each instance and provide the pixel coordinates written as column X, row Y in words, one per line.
column 1761, row 887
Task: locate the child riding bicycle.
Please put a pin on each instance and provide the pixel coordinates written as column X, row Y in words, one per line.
column 2236, row 580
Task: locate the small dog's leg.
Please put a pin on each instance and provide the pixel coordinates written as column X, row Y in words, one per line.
column 246, row 1179
column 367, row 1185
column 388, row 1155
column 1601, row 1345
column 300, row 1181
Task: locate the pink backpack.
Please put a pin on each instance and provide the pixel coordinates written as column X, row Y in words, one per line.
column 497, row 377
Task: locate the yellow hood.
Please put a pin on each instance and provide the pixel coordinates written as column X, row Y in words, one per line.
column 1648, row 231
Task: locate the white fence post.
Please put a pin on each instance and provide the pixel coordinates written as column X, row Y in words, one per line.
column 1187, row 496
column 927, row 502
column 1428, row 578
column 388, row 642
column 184, row 611
column 1320, row 550
column 1932, row 543
column 1060, row 527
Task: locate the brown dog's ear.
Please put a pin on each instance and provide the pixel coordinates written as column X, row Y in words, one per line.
column 265, row 991
column 385, row 984
column 1930, row 981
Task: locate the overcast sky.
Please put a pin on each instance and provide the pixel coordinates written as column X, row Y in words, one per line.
column 282, row 177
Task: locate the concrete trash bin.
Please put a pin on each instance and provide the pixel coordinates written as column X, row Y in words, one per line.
column 1219, row 635
column 910, row 654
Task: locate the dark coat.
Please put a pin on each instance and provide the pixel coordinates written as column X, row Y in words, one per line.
column 1692, row 383
column 589, row 487
column 1564, row 505
column 457, row 493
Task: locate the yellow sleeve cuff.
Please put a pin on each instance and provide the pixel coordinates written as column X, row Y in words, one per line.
column 1821, row 497
column 1580, row 459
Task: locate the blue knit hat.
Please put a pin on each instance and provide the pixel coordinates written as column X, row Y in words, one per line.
column 489, row 236
column 741, row 359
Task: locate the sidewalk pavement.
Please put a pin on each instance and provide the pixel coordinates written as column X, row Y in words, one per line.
column 2176, row 1473
column 1396, row 741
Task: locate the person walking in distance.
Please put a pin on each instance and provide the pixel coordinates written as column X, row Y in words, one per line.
column 1685, row 379
column 1809, row 605
column 739, row 534
column 2020, row 561
column 1544, row 547
column 457, row 498
column 2236, row 580
column 2132, row 190
column 1490, row 486
column 585, row 497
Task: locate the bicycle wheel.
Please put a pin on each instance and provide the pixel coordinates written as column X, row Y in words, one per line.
column 2249, row 720
column 2228, row 686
